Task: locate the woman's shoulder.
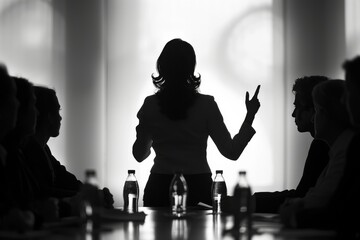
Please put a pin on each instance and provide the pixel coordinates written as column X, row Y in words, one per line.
column 205, row 98
column 150, row 102
column 202, row 101
column 151, row 99
column 201, row 96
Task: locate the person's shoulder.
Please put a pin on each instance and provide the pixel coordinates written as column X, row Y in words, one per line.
column 319, row 145
column 151, row 99
column 319, row 142
column 205, row 98
column 150, row 103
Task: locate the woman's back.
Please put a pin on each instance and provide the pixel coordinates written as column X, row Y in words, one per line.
column 181, row 144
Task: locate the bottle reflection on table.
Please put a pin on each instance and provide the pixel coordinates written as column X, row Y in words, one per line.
column 179, row 229
column 217, row 226
column 132, row 230
column 92, row 236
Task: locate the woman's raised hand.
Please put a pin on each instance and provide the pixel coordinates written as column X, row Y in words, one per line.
column 252, row 105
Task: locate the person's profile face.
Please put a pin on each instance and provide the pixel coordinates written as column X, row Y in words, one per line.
column 303, row 115
column 55, row 118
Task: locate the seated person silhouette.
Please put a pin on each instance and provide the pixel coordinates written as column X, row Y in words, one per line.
column 53, row 178
column 11, row 216
column 176, row 122
column 22, row 186
column 347, row 197
column 332, row 125
column 317, row 158
column 341, row 213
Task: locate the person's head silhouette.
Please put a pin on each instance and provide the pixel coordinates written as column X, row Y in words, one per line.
column 176, row 65
column 49, row 119
column 303, row 103
column 176, row 81
column 331, row 117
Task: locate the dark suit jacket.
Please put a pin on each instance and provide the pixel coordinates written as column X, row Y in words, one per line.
column 269, row 202
column 21, row 187
column 52, row 176
column 342, row 214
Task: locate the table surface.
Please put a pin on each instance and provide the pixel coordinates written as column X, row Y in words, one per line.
column 160, row 225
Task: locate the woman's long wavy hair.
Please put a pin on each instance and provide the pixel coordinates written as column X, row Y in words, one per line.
column 176, row 83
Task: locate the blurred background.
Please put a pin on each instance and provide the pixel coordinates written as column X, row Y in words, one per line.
column 99, row 56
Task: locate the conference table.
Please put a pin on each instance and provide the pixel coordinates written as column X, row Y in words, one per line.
column 159, row 224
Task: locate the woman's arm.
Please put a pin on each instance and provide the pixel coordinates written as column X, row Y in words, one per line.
column 142, row 146
column 232, row 148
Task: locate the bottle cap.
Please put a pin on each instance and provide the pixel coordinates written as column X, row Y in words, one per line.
column 131, row 171
column 90, row 172
column 243, row 172
column 219, row 171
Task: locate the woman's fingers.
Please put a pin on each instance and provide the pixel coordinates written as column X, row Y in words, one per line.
column 256, row 92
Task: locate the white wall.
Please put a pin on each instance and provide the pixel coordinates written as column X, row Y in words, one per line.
column 85, row 83
column 314, row 45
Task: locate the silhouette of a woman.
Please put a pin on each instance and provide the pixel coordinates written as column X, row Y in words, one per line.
column 176, row 122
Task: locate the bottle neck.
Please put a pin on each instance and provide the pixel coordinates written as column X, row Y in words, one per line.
column 219, row 177
column 131, row 177
column 243, row 181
